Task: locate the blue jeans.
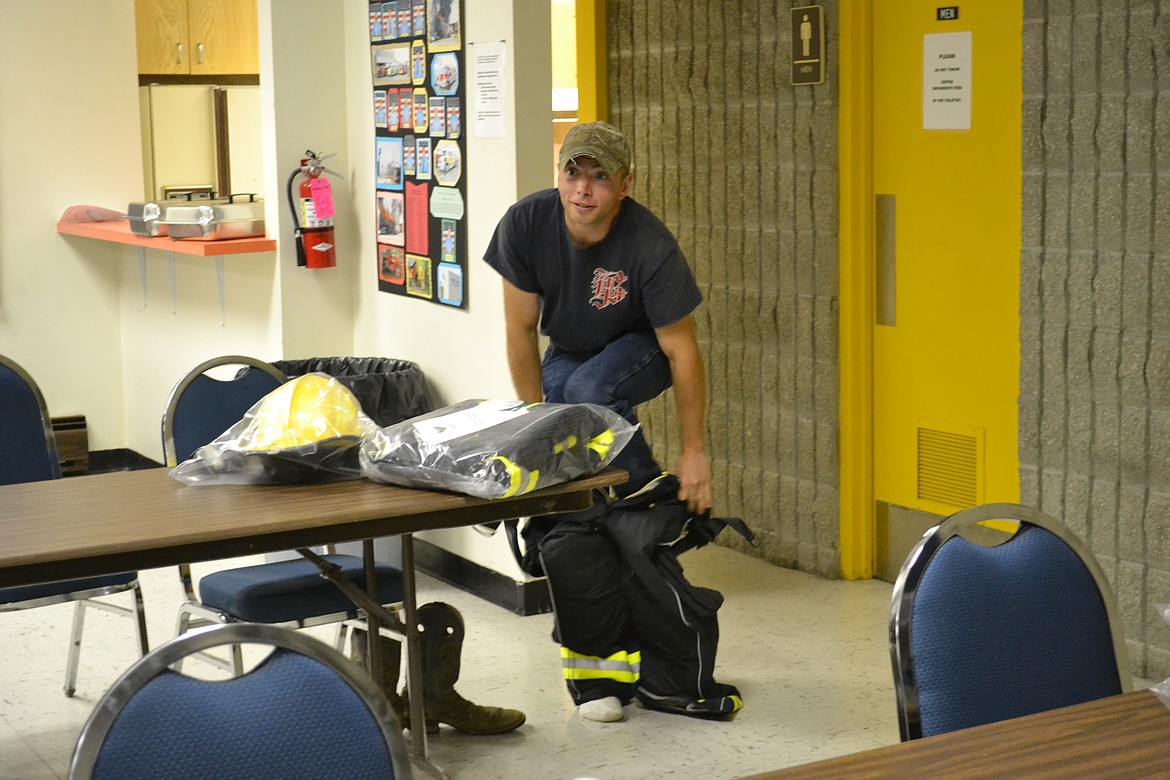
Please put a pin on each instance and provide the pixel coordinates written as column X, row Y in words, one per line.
column 628, row 371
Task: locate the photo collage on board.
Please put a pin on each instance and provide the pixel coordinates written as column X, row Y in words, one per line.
column 417, row 60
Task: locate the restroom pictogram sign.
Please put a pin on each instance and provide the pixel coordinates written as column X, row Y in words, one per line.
column 808, row 45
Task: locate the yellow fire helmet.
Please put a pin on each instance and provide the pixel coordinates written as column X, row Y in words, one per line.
column 306, row 409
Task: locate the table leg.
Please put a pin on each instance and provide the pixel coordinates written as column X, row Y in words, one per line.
column 373, row 646
column 414, row 671
column 368, row 601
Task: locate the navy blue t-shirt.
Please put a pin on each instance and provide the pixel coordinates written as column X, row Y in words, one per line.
column 635, row 279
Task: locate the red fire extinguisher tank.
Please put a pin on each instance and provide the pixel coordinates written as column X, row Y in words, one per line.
column 313, row 214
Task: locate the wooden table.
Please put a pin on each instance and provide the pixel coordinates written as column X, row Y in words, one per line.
column 1126, row 736
column 132, row 520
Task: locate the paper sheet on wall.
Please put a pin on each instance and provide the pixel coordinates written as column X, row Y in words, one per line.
column 488, row 89
column 416, row 218
column 946, row 81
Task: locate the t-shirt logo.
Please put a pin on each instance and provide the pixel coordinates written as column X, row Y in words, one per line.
column 608, row 288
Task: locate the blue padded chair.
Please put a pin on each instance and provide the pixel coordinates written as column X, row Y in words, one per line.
column 28, row 453
column 290, row 592
column 305, row 711
column 982, row 633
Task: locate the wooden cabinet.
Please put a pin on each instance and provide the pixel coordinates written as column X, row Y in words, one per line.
column 197, row 37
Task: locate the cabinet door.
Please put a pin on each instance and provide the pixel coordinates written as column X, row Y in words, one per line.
column 162, row 36
column 224, row 36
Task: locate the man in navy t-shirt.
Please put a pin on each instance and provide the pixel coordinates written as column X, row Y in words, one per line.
column 605, row 281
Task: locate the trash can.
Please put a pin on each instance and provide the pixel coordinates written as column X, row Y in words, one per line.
column 389, row 390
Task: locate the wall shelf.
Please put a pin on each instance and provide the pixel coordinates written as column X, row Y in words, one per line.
column 118, row 232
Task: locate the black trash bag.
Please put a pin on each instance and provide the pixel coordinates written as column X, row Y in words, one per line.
column 389, row 390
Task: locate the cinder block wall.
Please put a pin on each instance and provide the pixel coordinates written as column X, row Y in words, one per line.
column 1095, row 294
column 742, row 166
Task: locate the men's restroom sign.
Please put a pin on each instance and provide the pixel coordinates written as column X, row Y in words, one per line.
column 808, row 45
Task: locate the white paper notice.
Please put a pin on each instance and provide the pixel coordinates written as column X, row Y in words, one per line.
column 946, row 81
column 436, row 430
column 488, row 89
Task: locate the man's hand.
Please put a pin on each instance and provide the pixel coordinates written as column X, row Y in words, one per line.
column 681, row 348
column 694, row 477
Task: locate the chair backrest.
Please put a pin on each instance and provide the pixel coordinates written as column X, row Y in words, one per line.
column 202, row 407
column 304, row 711
column 985, row 633
column 29, row 452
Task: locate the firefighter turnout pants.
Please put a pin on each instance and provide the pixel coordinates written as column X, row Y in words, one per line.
column 629, row 623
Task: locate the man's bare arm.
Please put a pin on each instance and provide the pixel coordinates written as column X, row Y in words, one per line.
column 521, row 316
column 681, row 347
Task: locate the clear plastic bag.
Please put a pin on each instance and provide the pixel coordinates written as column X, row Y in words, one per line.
column 496, row 449
column 306, row 430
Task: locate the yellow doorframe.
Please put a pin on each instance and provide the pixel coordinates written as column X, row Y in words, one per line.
column 858, row 535
column 591, row 72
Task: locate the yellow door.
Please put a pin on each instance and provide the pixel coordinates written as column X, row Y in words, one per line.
column 946, row 177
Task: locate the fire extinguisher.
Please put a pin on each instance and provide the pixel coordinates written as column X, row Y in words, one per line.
column 312, row 212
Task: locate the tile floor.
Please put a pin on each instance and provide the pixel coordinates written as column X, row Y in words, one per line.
column 808, row 654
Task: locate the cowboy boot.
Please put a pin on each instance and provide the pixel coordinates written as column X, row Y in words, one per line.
column 391, row 662
column 441, row 627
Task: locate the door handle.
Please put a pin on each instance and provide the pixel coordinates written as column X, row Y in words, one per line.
column 885, row 255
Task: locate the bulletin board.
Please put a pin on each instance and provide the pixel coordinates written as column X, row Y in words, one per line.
column 417, row 60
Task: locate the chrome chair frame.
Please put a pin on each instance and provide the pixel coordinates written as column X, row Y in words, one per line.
column 193, row 613
column 169, row 656
column 86, row 597
column 917, row 562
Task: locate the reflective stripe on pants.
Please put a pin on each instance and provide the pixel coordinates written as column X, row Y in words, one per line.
column 620, row 667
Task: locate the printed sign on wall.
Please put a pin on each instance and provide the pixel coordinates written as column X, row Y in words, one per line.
column 417, row 61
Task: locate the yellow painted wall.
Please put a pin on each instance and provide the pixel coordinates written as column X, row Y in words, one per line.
column 564, row 74
column 591, row 80
column 564, row 44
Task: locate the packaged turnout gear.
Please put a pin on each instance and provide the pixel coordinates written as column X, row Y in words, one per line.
column 306, row 430
column 495, row 449
column 629, row 623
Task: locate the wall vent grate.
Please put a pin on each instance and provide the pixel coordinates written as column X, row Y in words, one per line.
column 948, row 467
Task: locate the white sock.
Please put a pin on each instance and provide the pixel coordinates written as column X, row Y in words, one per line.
column 607, row 710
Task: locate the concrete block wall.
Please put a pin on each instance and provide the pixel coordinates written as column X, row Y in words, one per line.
column 742, row 166
column 1095, row 294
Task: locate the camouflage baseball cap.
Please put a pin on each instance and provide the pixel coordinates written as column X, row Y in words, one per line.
column 601, row 141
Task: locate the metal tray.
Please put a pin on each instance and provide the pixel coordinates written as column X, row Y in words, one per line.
column 218, row 220
column 146, row 219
